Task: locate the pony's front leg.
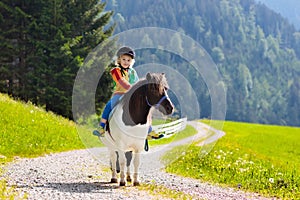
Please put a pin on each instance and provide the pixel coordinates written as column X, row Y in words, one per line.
column 122, row 161
column 136, row 163
column 113, row 160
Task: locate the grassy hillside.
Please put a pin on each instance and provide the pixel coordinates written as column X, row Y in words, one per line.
column 253, row 157
column 29, row 131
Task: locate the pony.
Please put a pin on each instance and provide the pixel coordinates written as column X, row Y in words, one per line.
column 130, row 120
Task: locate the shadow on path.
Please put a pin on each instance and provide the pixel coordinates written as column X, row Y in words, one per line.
column 77, row 187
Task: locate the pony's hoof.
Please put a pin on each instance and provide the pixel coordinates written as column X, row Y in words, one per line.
column 122, row 183
column 114, row 180
column 136, row 183
column 128, row 179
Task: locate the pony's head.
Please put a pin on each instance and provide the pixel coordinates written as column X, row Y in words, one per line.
column 146, row 93
column 156, row 93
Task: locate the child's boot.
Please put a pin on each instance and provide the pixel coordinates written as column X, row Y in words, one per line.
column 99, row 132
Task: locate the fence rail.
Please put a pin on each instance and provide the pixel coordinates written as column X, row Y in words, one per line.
column 170, row 128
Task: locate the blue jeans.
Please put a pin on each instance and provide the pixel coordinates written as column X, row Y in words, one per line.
column 110, row 105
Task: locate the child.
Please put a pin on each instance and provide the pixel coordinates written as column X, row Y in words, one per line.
column 124, row 76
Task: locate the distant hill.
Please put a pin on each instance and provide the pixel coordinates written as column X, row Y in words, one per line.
column 289, row 9
column 256, row 50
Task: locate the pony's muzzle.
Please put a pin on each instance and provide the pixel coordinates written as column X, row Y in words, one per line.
column 169, row 109
column 166, row 109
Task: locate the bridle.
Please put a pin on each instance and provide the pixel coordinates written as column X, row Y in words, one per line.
column 158, row 103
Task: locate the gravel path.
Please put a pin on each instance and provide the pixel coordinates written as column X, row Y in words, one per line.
column 84, row 174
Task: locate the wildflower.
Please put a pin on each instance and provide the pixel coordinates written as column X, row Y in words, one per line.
column 271, row 180
column 243, row 169
column 279, row 174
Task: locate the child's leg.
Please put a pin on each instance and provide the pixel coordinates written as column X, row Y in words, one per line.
column 108, row 108
column 150, row 129
column 105, row 114
column 114, row 100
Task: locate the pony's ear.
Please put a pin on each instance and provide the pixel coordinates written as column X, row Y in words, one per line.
column 148, row 76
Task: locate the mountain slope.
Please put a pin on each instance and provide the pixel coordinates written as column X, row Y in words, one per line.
column 256, row 50
column 288, row 9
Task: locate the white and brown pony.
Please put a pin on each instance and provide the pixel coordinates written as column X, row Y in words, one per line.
column 129, row 123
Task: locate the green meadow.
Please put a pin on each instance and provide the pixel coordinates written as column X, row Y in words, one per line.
column 251, row 157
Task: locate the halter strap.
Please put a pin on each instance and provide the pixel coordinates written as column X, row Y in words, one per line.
column 158, row 103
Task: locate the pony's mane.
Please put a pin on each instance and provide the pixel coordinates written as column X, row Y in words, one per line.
column 134, row 87
column 152, row 78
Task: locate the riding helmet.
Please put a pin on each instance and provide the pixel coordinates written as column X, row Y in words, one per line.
column 126, row 51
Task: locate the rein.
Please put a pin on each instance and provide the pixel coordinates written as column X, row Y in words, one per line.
column 146, row 147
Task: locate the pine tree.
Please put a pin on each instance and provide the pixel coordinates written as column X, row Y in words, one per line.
column 43, row 45
column 14, row 47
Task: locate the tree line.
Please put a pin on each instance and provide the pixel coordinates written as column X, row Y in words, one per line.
column 44, row 44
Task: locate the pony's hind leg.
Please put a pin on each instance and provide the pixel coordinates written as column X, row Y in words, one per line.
column 136, row 162
column 122, row 161
column 113, row 160
column 128, row 156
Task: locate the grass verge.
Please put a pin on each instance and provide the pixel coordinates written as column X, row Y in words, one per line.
column 252, row 157
column 162, row 191
column 29, row 131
